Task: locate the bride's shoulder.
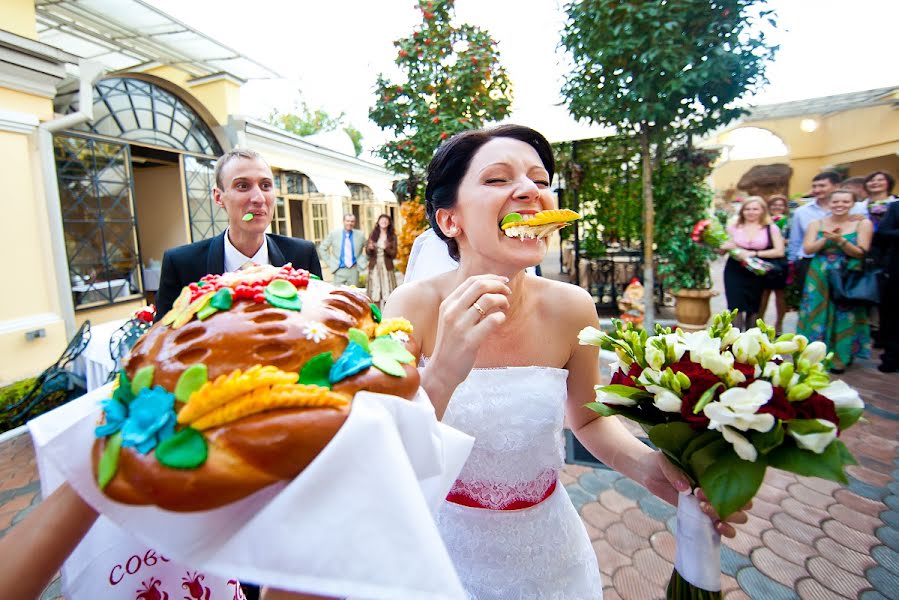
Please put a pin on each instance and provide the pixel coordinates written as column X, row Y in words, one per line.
column 416, row 297
column 564, row 300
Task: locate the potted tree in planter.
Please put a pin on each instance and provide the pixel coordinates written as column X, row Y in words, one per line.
column 683, row 198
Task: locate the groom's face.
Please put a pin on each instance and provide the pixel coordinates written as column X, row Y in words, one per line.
column 248, row 187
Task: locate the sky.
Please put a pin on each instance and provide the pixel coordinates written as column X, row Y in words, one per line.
column 330, row 52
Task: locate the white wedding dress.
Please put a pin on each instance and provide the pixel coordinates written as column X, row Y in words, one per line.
column 541, row 552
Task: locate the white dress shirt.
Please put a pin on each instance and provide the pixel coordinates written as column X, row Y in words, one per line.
column 235, row 259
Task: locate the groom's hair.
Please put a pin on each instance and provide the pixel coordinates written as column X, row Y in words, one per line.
column 451, row 161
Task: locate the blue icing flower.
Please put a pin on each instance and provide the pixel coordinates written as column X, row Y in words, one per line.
column 353, row 360
column 116, row 413
column 151, row 419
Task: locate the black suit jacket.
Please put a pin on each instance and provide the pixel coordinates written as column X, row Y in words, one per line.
column 886, row 239
column 186, row 264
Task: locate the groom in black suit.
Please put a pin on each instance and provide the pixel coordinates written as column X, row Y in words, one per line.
column 887, row 239
column 243, row 186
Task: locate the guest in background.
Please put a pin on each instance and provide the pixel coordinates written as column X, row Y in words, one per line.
column 857, row 186
column 381, row 250
column 776, row 281
column 343, row 251
column 887, row 238
column 836, row 242
column 878, row 189
column 755, row 236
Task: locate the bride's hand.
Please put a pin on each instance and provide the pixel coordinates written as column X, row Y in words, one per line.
column 665, row 481
column 467, row 316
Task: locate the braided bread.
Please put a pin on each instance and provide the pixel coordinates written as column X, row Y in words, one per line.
column 259, row 380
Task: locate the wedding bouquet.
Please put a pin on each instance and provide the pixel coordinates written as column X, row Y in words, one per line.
column 712, row 234
column 723, row 405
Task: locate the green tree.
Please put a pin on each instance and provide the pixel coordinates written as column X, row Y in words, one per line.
column 304, row 121
column 452, row 81
column 657, row 69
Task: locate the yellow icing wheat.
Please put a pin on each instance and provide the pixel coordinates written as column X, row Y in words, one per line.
column 288, row 395
column 545, row 217
column 391, row 325
column 226, row 388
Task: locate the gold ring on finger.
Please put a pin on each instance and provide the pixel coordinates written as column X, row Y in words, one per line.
column 478, row 308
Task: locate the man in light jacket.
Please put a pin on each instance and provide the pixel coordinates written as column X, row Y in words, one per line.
column 344, row 252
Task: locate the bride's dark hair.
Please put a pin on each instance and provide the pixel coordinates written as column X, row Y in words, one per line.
column 451, row 161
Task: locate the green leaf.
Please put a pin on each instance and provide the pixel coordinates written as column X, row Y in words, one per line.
column 316, row 370
column 388, row 365
column 286, row 303
column 190, row 381
column 706, row 398
column 109, row 461
column 827, row 465
column 766, row 441
column 808, row 426
column 704, row 457
column 223, row 299
column 142, row 379
column 359, row 336
column 282, row 289
column 123, row 392
column 700, row 441
column 603, row 409
column 731, row 482
column 849, row 416
column 625, row 391
column 186, row 449
column 391, row 348
column 672, row 437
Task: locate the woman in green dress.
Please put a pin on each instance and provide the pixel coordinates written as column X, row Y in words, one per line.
column 838, row 241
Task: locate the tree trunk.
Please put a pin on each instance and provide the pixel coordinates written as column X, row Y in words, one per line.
column 649, row 315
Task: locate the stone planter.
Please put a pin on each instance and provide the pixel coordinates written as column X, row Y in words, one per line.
column 693, row 308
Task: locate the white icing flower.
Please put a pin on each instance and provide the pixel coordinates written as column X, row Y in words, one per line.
column 400, row 336
column 315, row 331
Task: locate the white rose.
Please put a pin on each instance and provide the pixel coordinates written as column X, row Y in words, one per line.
column 816, row 442
column 737, row 407
column 590, row 336
column 613, row 399
column 742, row 446
column 842, row 395
column 667, row 401
column 814, row 352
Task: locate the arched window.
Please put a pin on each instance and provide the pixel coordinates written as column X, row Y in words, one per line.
column 139, row 111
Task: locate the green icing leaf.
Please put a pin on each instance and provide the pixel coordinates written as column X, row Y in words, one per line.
column 142, row 379
column 186, row 449
column 123, row 392
column 316, row 370
column 223, row 299
column 388, row 347
column 375, row 312
column 388, row 365
column 206, row 312
column 109, row 461
column 282, row 289
column 286, row 303
column 314, row 276
column 511, row 218
column 248, row 217
column 358, row 336
column 190, row 381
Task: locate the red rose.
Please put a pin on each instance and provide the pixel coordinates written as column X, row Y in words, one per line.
column 779, row 406
column 622, row 378
column 701, row 379
column 747, row 370
column 817, row 406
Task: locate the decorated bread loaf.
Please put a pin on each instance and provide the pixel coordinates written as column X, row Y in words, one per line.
column 241, row 385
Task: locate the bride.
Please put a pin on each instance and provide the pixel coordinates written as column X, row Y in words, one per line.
column 500, row 361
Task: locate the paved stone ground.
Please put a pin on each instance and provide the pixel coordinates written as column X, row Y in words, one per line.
column 806, row 538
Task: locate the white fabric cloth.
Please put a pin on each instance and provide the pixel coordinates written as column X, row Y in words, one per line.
column 235, row 259
column 542, row 552
column 351, row 524
column 95, row 363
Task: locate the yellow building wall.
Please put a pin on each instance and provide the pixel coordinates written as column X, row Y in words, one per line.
column 27, row 302
column 21, row 102
column 103, row 314
column 17, row 16
column 864, row 136
column 221, row 98
column 157, row 198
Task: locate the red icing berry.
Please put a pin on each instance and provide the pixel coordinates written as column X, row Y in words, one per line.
column 259, row 298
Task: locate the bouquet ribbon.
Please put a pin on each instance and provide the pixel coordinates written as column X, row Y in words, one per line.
column 698, row 556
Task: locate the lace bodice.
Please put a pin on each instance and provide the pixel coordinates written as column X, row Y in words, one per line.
column 515, row 415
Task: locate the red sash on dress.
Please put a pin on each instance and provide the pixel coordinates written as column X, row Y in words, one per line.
column 465, row 500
